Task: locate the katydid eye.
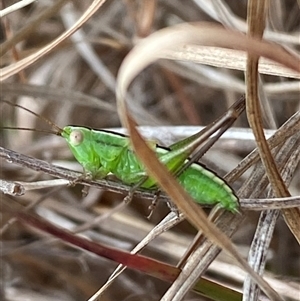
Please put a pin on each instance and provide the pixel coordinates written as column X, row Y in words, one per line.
column 76, row 137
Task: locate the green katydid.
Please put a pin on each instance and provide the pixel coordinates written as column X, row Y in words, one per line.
column 103, row 152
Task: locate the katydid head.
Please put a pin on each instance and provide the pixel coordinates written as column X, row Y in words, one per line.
column 75, row 135
column 80, row 143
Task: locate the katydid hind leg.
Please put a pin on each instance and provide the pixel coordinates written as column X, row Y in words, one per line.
column 191, row 143
column 218, row 127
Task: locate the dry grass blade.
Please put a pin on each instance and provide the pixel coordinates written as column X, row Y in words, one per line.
column 58, row 94
column 15, row 7
column 159, row 44
column 26, row 30
column 167, row 223
column 290, row 152
column 140, row 57
column 228, row 58
column 153, row 267
column 123, row 257
column 6, row 72
column 257, row 11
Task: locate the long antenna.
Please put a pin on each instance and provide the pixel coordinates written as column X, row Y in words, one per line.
column 28, row 129
column 53, row 125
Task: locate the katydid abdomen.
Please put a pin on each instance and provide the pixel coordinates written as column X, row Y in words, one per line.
column 101, row 153
column 205, row 187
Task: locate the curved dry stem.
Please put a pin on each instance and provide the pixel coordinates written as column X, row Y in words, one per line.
column 147, row 52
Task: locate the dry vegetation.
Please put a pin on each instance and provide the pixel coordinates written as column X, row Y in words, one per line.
column 73, row 81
